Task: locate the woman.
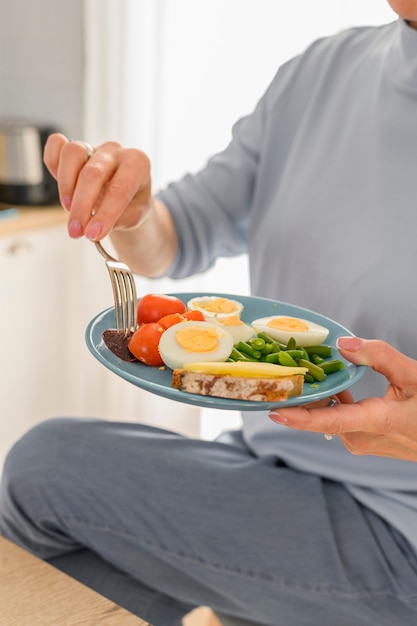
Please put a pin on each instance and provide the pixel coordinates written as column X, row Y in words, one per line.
column 274, row 524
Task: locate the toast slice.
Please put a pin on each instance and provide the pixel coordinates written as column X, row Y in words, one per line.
column 238, row 387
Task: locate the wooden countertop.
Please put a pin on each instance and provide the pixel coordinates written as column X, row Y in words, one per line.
column 33, row 593
column 24, row 218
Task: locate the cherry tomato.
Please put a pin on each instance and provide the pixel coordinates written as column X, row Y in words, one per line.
column 144, row 342
column 153, row 306
column 194, row 316
column 171, row 319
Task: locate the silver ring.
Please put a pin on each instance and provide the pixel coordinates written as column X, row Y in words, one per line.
column 87, row 146
column 331, row 403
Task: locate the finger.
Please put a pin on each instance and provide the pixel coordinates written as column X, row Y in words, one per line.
column 73, row 159
column 372, row 415
column 345, row 397
column 370, row 444
column 82, row 181
column 52, row 152
column 399, row 369
column 130, row 180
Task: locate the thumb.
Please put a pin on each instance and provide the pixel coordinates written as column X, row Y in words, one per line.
column 399, row 369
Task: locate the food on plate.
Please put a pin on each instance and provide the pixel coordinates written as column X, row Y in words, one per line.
column 144, row 344
column 243, row 369
column 256, row 382
column 282, row 328
column 215, row 307
column 118, row 344
column 153, row 306
column 176, row 318
column 192, row 341
column 278, row 339
column 213, row 352
column 263, row 349
column 235, row 326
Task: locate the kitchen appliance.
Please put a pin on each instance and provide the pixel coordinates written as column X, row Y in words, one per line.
column 24, row 178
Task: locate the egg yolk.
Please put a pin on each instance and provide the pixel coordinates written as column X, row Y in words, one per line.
column 233, row 320
column 288, row 323
column 197, row 339
column 219, row 305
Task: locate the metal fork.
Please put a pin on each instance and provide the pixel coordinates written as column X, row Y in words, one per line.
column 124, row 292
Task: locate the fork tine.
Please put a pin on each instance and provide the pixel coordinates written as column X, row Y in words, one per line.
column 132, row 299
column 124, row 292
column 117, row 297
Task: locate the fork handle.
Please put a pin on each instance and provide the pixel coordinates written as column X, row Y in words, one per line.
column 103, row 252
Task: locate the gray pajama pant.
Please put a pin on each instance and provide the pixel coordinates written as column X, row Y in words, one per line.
column 161, row 523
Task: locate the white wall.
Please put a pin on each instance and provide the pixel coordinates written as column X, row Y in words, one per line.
column 41, row 62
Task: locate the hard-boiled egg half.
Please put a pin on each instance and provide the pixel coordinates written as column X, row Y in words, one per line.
column 191, row 342
column 236, row 327
column 215, row 307
column 282, row 328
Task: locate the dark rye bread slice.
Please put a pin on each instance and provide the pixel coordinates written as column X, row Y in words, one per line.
column 238, row 388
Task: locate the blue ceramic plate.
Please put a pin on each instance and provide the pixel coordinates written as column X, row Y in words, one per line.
column 159, row 382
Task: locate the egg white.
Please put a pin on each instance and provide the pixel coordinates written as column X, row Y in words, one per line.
column 200, row 304
column 175, row 356
column 239, row 332
column 315, row 335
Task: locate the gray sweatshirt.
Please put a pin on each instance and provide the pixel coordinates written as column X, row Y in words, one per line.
column 318, row 185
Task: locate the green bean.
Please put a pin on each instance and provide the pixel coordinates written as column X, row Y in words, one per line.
column 247, row 349
column 258, row 343
column 267, row 349
column 295, row 354
column 332, row 366
column 316, row 358
column 322, row 350
column 235, row 355
column 291, row 344
column 286, row 359
column 306, row 355
column 265, row 337
column 308, row 378
column 272, row 358
column 315, row 370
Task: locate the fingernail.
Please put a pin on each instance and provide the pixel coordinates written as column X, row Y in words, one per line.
column 74, row 229
column 278, row 418
column 66, row 202
column 93, row 231
column 350, row 344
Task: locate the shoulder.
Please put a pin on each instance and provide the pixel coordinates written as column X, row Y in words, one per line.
column 327, row 57
column 348, row 42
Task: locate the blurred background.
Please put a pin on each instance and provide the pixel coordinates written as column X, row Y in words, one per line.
column 169, row 77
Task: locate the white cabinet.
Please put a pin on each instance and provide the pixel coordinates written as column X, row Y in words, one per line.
column 51, row 287
column 33, row 268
